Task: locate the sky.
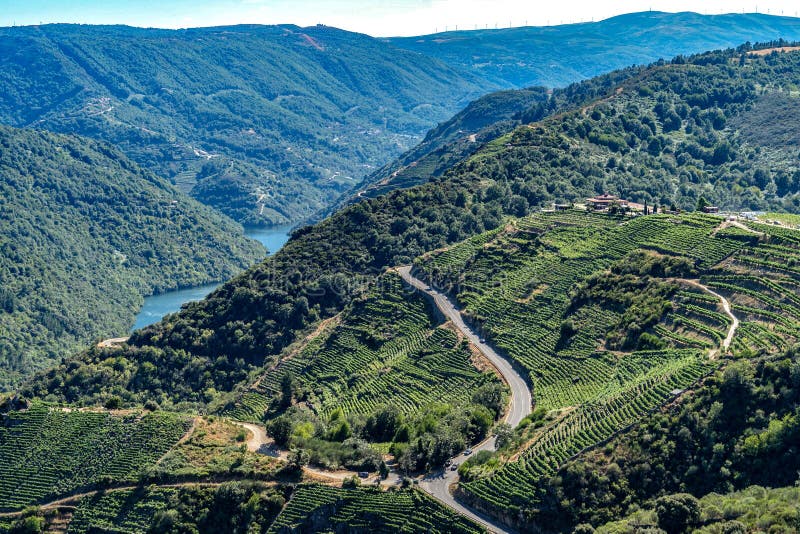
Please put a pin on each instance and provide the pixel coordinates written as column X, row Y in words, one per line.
column 380, row 18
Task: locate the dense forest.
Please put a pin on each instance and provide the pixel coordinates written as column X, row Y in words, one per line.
column 85, row 234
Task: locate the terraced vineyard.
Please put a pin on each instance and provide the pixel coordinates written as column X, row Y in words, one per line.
column 367, row 510
column 762, row 282
column 515, row 484
column 387, row 349
column 517, row 287
column 125, row 511
column 47, row 452
column 521, row 286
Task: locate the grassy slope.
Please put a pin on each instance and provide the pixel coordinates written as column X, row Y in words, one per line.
column 85, row 234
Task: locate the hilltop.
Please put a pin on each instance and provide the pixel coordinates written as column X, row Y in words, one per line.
column 85, row 234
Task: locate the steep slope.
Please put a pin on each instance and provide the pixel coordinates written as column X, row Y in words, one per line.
column 266, row 123
column 85, row 234
column 713, row 440
column 482, row 121
column 555, row 56
column 655, row 137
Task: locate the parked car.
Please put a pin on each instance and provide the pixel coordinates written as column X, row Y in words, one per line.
column 363, row 474
column 467, row 452
column 453, row 467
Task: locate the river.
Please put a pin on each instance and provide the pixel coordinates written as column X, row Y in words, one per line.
column 158, row 306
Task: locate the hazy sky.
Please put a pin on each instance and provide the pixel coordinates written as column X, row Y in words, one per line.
column 377, row 17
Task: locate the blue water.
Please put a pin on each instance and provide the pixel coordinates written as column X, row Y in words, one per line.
column 158, row 306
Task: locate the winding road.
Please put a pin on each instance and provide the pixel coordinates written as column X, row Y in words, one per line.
column 726, row 343
column 438, row 482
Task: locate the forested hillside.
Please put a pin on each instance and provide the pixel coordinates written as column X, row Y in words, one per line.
column 270, row 124
column 266, row 123
column 554, row 56
column 85, row 234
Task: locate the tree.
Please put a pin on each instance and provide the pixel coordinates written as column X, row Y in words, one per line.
column 287, row 389
column 383, row 469
column 351, row 482
column 281, row 429
column 492, row 396
column 113, row 403
column 702, row 203
column 383, row 423
column 676, row 513
column 297, row 459
column 504, row 433
column 33, row 524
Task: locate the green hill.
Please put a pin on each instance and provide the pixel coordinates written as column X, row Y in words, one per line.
column 659, row 347
column 266, row 123
column 85, row 234
column 668, row 134
column 554, row 56
column 611, row 318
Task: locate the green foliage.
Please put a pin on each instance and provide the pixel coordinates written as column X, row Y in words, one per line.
column 48, row 452
column 740, row 428
column 84, row 235
column 754, row 509
column 677, row 513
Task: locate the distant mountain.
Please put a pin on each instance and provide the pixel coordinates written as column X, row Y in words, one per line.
column 555, row 56
column 266, row 123
column 84, row 235
column 450, row 141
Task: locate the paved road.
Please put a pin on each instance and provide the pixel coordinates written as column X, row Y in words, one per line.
column 438, row 483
